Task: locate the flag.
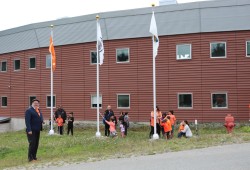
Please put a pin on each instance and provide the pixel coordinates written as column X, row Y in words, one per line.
column 52, row 52
column 153, row 31
column 100, row 47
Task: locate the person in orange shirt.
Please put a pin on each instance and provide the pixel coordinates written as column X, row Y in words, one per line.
column 167, row 127
column 229, row 123
column 59, row 122
column 158, row 119
column 111, row 124
column 181, row 127
column 172, row 120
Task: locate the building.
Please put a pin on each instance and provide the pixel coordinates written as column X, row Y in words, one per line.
column 202, row 67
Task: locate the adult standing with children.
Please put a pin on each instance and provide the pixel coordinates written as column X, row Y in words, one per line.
column 158, row 119
column 107, row 115
column 33, row 122
column 186, row 131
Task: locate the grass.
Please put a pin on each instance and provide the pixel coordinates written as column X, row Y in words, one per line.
column 84, row 146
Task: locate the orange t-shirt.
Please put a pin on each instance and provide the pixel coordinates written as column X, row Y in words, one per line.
column 111, row 126
column 181, row 127
column 158, row 117
column 59, row 121
column 167, row 126
column 172, row 119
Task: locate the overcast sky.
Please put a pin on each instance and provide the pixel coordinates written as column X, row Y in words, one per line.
column 15, row 13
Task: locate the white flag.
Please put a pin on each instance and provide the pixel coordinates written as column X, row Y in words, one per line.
column 100, row 47
column 153, row 30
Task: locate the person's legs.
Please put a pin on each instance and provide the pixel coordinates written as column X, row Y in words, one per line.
column 72, row 130
column 158, row 129
column 151, row 131
column 30, row 157
column 126, row 129
column 107, row 129
column 36, row 143
column 180, row 134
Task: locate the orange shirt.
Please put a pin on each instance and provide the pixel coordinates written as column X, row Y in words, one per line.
column 111, row 126
column 158, row 117
column 167, row 126
column 59, row 121
column 172, row 119
column 181, row 127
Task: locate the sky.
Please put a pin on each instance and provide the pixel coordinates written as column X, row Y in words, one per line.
column 15, row 13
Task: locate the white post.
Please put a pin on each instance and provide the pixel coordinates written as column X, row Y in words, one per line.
column 98, row 134
column 155, row 136
column 51, row 132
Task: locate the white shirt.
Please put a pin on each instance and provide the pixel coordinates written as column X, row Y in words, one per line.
column 187, row 130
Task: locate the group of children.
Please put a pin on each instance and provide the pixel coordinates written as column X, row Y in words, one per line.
column 123, row 124
column 60, row 122
column 165, row 124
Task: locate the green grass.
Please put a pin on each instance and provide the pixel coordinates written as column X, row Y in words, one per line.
column 84, row 146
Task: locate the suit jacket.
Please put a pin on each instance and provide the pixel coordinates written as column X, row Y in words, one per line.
column 32, row 120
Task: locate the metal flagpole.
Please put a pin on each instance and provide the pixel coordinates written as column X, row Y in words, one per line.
column 98, row 134
column 155, row 136
column 51, row 132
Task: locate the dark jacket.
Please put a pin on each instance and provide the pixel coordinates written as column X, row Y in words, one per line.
column 32, row 120
column 108, row 114
column 61, row 112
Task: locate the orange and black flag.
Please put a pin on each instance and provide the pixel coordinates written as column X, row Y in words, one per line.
column 52, row 52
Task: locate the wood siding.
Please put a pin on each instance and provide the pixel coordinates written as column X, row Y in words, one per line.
column 75, row 78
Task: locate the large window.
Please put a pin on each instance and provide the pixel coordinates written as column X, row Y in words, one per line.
column 4, row 101
column 30, row 99
column 123, row 100
column 183, row 51
column 93, row 57
column 32, row 63
column 48, row 61
column 122, row 55
column 48, row 101
column 219, row 100
column 94, row 101
column 3, row 66
column 248, row 48
column 17, row 64
column 185, row 100
column 218, row 50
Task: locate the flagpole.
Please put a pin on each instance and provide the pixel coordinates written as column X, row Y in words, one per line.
column 98, row 134
column 155, row 136
column 51, row 132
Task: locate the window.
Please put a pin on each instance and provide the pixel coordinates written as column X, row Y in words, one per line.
column 30, row 99
column 17, row 64
column 3, row 66
column 218, row 50
column 219, row 100
column 94, row 101
column 4, row 102
column 48, row 101
column 48, row 61
column 32, row 63
column 93, row 57
column 248, row 48
column 183, row 52
column 185, row 100
column 123, row 101
column 122, row 55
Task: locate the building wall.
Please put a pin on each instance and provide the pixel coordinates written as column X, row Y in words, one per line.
column 75, row 78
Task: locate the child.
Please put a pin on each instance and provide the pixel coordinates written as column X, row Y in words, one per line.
column 59, row 122
column 70, row 123
column 172, row 120
column 112, row 124
column 122, row 127
column 167, row 127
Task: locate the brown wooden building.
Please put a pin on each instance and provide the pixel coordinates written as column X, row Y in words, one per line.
column 202, row 67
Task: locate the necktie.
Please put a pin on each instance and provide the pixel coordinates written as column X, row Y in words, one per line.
column 37, row 111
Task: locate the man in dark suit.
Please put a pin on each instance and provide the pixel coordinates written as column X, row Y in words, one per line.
column 33, row 121
column 107, row 115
